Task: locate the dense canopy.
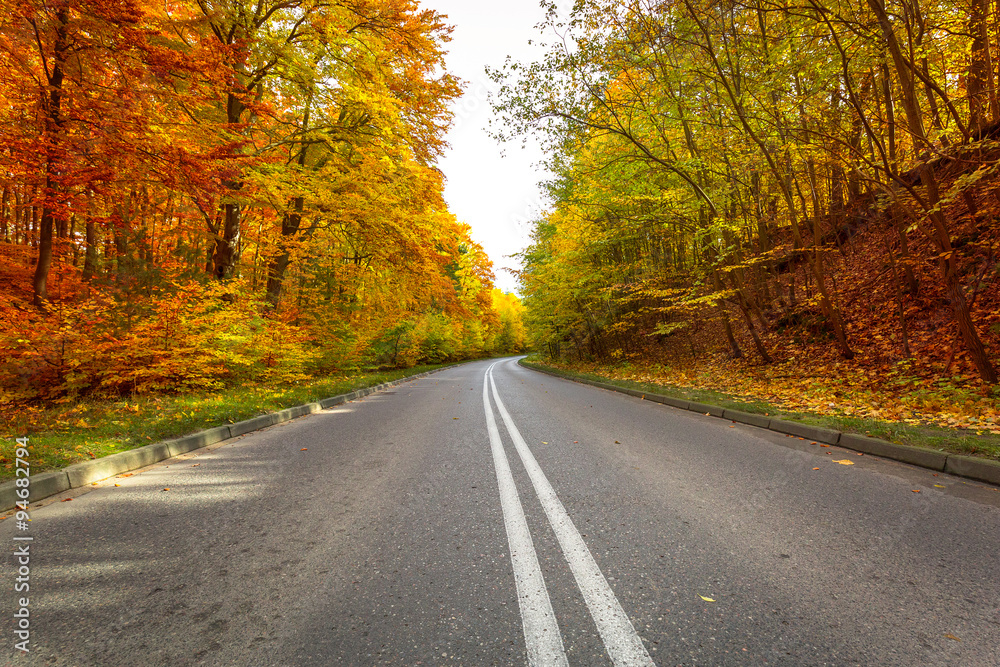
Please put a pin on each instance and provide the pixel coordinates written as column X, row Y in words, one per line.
column 201, row 192
column 771, row 179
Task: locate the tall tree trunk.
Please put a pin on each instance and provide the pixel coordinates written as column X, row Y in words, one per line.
column 734, row 347
column 227, row 244
column 979, row 82
column 890, row 116
column 4, row 212
column 912, row 285
column 226, row 253
column 290, row 223
column 90, row 259
column 53, row 131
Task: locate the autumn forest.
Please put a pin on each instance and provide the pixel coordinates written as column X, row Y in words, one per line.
column 790, row 200
column 795, row 201
column 197, row 193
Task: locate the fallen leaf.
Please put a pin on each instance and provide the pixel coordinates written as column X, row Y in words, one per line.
column 706, row 599
column 454, row 417
column 815, row 468
column 940, row 486
column 733, row 426
column 195, row 465
column 304, row 449
column 845, row 462
column 117, row 484
column 824, row 445
column 952, row 637
column 167, row 489
column 617, row 443
column 813, row 443
column 66, row 500
column 544, row 443
column 916, row 490
column 576, row 442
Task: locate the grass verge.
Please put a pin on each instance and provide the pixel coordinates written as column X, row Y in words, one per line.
column 954, row 441
column 62, row 434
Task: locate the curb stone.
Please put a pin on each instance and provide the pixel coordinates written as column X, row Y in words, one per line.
column 43, row 485
column 50, row 483
column 760, row 421
column 826, row 435
column 983, row 470
column 88, row 472
column 668, row 400
column 705, row 409
column 918, row 456
column 189, row 443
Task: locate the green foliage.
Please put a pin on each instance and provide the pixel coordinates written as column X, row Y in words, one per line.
column 434, row 338
column 393, row 347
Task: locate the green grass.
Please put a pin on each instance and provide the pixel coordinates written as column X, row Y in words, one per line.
column 955, row 441
column 62, row 434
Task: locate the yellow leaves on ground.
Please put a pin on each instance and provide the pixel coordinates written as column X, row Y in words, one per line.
column 845, row 462
column 706, row 599
column 841, row 390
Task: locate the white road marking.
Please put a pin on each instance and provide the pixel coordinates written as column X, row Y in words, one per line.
column 541, row 632
column 620, row 638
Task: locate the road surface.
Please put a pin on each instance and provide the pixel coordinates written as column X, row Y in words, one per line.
column 491, row 515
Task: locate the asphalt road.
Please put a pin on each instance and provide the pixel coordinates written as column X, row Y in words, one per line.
column 422, row 526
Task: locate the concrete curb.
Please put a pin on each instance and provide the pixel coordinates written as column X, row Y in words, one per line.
column 983, row 470
column 50, row 483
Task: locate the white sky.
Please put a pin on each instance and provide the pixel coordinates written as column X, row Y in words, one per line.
column 497, row 196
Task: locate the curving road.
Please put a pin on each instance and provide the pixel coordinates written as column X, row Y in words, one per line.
column 491, row 515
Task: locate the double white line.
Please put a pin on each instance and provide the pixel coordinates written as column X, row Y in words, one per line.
column 541, row 632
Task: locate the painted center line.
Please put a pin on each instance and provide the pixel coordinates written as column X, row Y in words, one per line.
column 541, row 633
column 620, row 638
